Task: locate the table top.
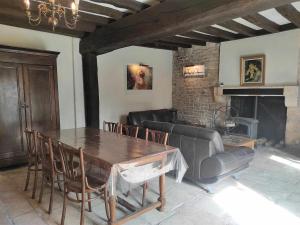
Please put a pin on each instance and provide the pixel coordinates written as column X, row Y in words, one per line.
column 235, row 140
column 109, row 147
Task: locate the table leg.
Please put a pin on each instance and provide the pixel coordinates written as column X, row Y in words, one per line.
column 112, row 209
column 162, row 198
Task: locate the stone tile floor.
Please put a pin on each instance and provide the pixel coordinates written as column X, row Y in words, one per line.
column 268, row 192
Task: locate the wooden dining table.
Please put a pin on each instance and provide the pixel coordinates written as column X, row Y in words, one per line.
column 114, row 149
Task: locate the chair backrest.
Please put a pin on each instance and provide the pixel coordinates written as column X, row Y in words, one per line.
column 46, row 152
column 110, row 126
column 70, row 158
column 129, row 130
column 31, row 139
column 157, row 136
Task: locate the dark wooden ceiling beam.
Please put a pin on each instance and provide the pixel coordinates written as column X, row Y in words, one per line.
column 218, row 33
column 170, row 18
column 98, row 20
column 263, row 22
column 125, row 4
column 185, row 40
column 203, row 37
column 288, row 26
column 290, row 13
column 175, row 44
column 160, row 46
column 239, row 28
column 99, row 9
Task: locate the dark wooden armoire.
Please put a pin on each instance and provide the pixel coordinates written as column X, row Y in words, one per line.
column 28, row 99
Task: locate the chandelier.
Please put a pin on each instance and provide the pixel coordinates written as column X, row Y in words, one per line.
column 54, row 12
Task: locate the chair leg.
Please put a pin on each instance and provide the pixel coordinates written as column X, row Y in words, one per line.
column 42, row 189
column 51, row 196
column 27, row 179
column 106, row 204
column 145, row 187
column 58, row 183
column 89, row 202
column 35, row 182
column 82, row 209
column 64, row 208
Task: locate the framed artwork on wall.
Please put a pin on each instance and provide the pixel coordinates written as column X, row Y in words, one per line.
column 194, row 71
column 139, row 77
column 252, row 70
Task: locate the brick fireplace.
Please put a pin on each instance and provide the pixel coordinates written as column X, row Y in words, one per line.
column 290, row 96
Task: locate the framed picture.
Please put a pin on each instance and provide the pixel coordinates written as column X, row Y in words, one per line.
column 252, row 70
column 194, row 71
column 139, row 77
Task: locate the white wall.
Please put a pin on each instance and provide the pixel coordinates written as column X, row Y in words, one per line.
column 282, row 57
column 115, row 100
column 67, row 86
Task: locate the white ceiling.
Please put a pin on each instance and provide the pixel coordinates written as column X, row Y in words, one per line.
column 274, row 16
column 246, row 23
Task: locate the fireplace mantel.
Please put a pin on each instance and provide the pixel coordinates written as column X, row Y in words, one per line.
column 291, row 93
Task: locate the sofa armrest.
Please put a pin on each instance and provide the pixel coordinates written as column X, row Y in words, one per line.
column 194, row 150
column 226, row 162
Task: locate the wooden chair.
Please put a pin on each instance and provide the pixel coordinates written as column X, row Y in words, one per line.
column 51, row 167
column 79, row 182
column 129, row 130
column 158, row 137
column 111, row 127
column 33, row 159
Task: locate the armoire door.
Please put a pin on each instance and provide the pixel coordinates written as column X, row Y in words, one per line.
column 39, row 86
column 11, row 114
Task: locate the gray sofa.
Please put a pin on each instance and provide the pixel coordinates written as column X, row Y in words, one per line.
column 204, row 152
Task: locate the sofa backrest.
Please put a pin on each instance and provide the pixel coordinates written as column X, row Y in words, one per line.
column 137, row 118
column 202, row 133
column 161, row 115
column 161, row 126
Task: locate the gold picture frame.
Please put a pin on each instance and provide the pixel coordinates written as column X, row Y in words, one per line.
column 252, row 70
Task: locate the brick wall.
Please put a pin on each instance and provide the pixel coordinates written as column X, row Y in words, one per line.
column 194, row 97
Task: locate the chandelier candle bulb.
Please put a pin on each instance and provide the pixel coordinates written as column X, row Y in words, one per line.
column 27, row 4
column 74, row 8
column 77, row 3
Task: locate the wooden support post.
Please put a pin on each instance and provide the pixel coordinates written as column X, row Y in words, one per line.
column 91, row 90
